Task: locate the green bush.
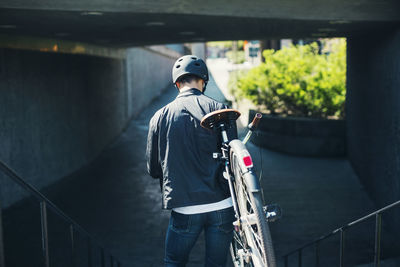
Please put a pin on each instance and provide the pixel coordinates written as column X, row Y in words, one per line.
column 297, row 81
column 237, row 57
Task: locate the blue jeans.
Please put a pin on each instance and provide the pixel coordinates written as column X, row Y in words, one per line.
column 183, row 231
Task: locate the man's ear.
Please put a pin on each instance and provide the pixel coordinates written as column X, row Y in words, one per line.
column 203, row 85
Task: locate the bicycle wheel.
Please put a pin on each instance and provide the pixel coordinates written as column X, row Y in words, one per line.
column 252, row 243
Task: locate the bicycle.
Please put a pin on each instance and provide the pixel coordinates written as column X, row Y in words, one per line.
column 252, row 244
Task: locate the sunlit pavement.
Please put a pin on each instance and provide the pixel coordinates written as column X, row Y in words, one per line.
column 116, row 201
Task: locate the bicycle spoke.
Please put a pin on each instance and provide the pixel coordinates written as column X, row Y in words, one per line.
column 238, row 240
column 254, row 237
column 250, row 225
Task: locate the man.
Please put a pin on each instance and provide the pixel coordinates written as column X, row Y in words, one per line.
column 179, row 153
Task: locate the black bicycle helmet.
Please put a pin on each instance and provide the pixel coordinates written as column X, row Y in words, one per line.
column 190, row 64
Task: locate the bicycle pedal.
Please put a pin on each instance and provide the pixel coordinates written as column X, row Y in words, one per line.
column 273, row 212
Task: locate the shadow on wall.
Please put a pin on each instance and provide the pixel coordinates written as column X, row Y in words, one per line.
column 58, row 111
column 373, row 116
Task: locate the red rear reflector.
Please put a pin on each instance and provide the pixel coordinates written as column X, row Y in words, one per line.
column 248, row 162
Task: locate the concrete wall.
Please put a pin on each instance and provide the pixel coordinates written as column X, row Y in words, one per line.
column 373, row 115
column 301, row 136
column 176, row 47
column 199, row 49
column 149, row 72
column 58, row 111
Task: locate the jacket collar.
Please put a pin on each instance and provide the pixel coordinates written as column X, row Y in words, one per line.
column 192, row 91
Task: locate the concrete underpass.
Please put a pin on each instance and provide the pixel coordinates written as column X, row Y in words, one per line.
column 116, row 200
column 78, row 86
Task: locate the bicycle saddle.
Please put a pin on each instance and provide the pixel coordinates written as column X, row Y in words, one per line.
column 213, row 119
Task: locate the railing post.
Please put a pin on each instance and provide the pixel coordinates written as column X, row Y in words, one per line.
column 341, row 264
column 45, row 234
column 300, row 258
column 378, row 230
column 2, row 260
column 317, row 254
column 71, row 231
column 111, row 261
column 102, row 259
column 89, row 252
column 286, row 261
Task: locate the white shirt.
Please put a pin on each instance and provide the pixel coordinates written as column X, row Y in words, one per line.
column 196, row 209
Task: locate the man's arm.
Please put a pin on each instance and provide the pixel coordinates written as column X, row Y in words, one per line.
column 153, row 163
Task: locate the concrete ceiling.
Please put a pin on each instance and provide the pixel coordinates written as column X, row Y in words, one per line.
column 124, row 23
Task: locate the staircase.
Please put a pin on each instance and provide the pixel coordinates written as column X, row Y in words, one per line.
column 35, row 232
column 385, row 245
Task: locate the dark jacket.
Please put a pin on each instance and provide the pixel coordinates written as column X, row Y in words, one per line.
column 179, row 152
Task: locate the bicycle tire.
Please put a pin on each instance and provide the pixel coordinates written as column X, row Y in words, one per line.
column 256, row 239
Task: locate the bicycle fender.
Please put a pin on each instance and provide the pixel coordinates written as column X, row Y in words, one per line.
column 253, row 184
column 251, row 180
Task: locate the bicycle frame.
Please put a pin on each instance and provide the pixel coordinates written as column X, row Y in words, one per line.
column 227, row 173
column 252, row 181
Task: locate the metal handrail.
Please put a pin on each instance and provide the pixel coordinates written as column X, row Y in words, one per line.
column 341, row 230
column 44, row 204
column 2, row 263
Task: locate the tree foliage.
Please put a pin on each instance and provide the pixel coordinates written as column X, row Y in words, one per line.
column 298, row 81
column 236, row 57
